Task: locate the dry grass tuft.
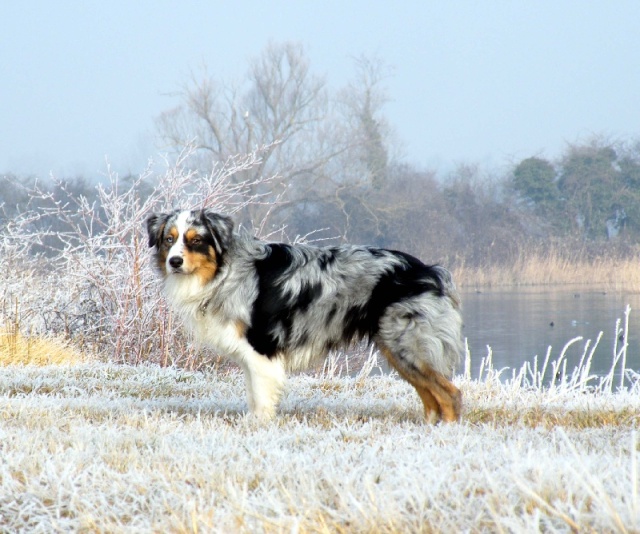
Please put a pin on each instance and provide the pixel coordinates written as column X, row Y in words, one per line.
column 548, row 418
column 17, row 349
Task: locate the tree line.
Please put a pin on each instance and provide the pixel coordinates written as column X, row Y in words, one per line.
column 329, row 169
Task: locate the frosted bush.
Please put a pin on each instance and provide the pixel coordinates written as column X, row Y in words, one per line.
column 97, row 286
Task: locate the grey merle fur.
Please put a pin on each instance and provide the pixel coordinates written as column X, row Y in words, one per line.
column 291, row 304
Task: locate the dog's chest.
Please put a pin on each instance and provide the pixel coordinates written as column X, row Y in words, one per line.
column 214, row 331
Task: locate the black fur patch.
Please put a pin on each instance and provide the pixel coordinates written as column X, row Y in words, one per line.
column 409, row 279
column 221, row 229
column 202, row 245
column 327, row 259
column 155, row 227
column 274, row 308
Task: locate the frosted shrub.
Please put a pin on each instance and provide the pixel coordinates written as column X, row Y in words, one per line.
column 97, row 286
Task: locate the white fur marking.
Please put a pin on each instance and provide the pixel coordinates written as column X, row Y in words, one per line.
column 177, row 249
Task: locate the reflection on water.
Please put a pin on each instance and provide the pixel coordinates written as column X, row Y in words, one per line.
column 520, row 324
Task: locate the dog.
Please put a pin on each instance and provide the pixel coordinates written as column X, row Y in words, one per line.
column 276, row 307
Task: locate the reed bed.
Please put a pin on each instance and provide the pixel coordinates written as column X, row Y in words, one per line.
column 553, row 268
column 100, row 447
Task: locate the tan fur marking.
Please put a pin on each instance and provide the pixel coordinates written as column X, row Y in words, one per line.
column 203, row 266
column 447, row 395
column 441, row 399
column 161, row 258
column 431, row 408
column 241, row 328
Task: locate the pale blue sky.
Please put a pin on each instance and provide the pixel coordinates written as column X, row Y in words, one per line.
column 486, row 82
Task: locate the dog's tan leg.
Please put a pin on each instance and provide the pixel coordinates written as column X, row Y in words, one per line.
column 431, row 407
column 441, row 399
column 448, row 396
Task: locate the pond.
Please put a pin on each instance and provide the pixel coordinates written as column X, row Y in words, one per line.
column 519, row 324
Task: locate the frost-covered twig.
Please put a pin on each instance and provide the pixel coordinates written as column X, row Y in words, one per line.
column 92, row 280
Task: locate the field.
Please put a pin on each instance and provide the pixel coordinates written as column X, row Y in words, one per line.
column 111, row 420
column 98, row 447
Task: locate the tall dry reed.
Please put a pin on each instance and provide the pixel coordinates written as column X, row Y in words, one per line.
column 553, row 267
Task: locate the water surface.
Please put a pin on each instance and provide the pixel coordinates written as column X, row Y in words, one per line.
column 519, row 324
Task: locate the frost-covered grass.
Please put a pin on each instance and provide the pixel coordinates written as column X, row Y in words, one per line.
column 92, row 446
column 100, row 447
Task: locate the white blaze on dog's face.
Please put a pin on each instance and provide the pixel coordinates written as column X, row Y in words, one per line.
column 175, row 244
column 188, row 243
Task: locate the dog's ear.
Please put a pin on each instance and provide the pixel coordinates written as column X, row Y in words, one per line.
column 155, row 227
column 221, row 228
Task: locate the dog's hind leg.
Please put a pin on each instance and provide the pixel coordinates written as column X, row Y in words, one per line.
column 441, row 399
column 434, row 386
column 421, row 339
column 432, row 411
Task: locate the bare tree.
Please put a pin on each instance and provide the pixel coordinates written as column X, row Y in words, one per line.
column 280, row 104
column 361, row 102
column 318, row 144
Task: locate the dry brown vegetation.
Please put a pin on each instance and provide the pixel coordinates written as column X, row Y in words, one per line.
column 552, row 268
column 18, row 349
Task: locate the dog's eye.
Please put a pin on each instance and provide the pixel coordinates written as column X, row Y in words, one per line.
column 196, row 240
column 169, row 239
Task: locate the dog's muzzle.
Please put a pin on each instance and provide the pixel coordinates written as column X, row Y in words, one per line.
column 176, row 263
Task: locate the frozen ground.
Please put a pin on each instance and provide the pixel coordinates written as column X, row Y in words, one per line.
column 100, row 447
column 104, row 448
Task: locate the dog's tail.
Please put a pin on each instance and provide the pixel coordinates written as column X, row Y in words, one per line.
column 422, row 339
column 446, row 324
column 446, row 285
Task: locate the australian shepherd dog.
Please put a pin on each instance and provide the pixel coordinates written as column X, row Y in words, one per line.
column 275, row 307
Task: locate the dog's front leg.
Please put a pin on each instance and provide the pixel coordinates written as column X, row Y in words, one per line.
column 265, row 380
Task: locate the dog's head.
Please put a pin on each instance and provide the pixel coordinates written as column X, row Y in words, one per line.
column 190, row 242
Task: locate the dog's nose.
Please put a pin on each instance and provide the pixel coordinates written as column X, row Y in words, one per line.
column 175, row 261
